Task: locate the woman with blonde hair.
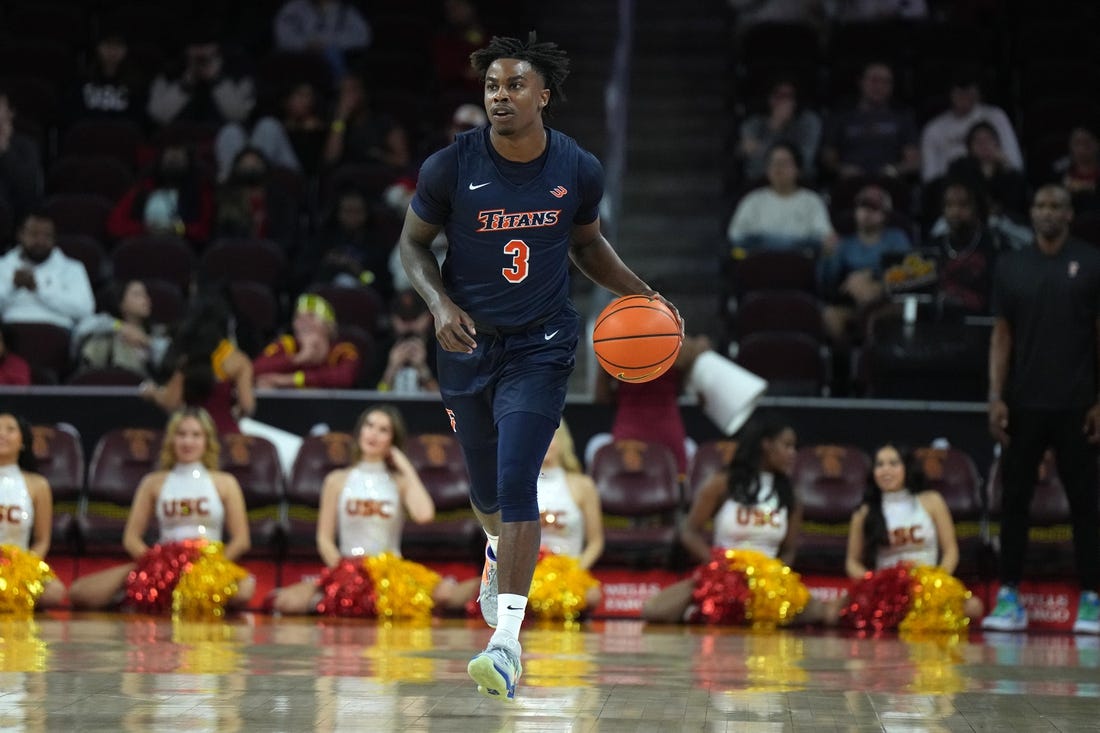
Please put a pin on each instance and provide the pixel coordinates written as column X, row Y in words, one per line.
column 189, row 570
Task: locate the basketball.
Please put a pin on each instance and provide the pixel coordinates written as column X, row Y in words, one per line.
column 636, row 338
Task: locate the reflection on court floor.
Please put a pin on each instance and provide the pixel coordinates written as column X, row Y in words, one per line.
column 255, row 673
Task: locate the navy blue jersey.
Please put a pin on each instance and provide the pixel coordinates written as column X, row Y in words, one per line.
column 508, row 225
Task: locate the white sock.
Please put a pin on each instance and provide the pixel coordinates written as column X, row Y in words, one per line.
column 510, row 612
column 493, row 539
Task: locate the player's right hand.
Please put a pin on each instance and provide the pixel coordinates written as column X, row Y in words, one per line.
column 454, row 329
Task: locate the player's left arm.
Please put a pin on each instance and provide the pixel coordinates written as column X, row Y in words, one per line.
column 595, row 257
column 590, row 250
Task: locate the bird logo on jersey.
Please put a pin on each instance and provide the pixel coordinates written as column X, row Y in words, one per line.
column 559, row 191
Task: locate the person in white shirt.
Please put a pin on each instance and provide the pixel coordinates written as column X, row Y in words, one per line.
column 899, row 524
column 199, row 512
column 781, row 215
column 753, row 510
column 331, row 27
column 38, row 283
column 26, row 521
column 944, row 137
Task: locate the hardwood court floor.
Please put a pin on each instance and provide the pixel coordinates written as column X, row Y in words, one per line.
column 70, row 672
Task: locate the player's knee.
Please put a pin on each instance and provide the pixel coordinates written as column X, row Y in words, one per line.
column 519, row 500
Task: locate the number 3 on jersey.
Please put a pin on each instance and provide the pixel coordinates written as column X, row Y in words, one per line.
column 520, row 253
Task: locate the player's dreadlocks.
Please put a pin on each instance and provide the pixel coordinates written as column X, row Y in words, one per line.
column 551, row 62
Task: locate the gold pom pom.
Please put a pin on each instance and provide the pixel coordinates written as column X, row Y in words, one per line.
column 778, row 594
column 937, row 605
column 206, row 587
column 559, row 587
column 23, row 578
column 403, row 588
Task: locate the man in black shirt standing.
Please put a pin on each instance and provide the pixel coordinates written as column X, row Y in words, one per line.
column 1043, row 392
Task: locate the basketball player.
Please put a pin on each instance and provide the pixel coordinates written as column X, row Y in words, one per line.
column 517, row 200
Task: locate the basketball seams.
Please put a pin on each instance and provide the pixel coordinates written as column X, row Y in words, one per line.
column 636, row 333
column 662, row 309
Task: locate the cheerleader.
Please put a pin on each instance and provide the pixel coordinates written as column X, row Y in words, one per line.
column 188, row 571
column 359, row 527
column 908, row 536
column 745, row 576
column 26, row 520
column 572, row 537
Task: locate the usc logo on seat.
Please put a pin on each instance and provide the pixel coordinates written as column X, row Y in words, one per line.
column 368, row 508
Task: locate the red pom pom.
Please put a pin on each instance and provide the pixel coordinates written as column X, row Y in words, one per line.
column 346, row 590
column 880, row 600
column 149, row 586
column 720, row 593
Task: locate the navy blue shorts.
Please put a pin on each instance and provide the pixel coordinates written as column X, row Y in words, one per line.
column 524, row 370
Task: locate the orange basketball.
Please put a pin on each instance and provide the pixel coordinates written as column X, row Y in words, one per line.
column 636, row 338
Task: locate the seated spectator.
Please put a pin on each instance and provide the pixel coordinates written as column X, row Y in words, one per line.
column 25, row 533
column 946, row 136
column 311, row 356
column 14, row 369
column 785, row 120
column 782, row 214
column 208, row 370
column 39, row 283
column 253, row 206
column 750, row 13
column 1079, row 170
column 462, row 33
column 348, row 249
column 966, row 251
column 900, row 526
column 203, row 88
column 408, row 366
column 349, row 537
column 362, row 135
column 850, row 277
column 333, row 28
column 121, row 337
column 871, row 138
column 110, row 87
column 294, row 140
column 988, row 165
column 188, row 478
column 174, row 198
column 21, row 177
column 757, row 515
column 869, row 11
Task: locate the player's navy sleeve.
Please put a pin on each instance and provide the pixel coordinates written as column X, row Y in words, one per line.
column 435, row 187
column 590, row 182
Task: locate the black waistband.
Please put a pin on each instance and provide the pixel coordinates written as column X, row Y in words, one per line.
column 486, row 329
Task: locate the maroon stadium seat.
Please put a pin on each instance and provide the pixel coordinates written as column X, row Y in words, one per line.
column 319, row 455
column 255, row 463
column 710, row 458
column 829, row 480
column 455, row 531
column 121, row 458
column 60, row 459
column 44, row 346
column 639, row 491
column 952, row 472
column 163, row 257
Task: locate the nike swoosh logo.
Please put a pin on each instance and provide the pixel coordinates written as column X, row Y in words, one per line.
column 513, row 608
column 622, row 376
column 549, row 336
column 480, row 185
